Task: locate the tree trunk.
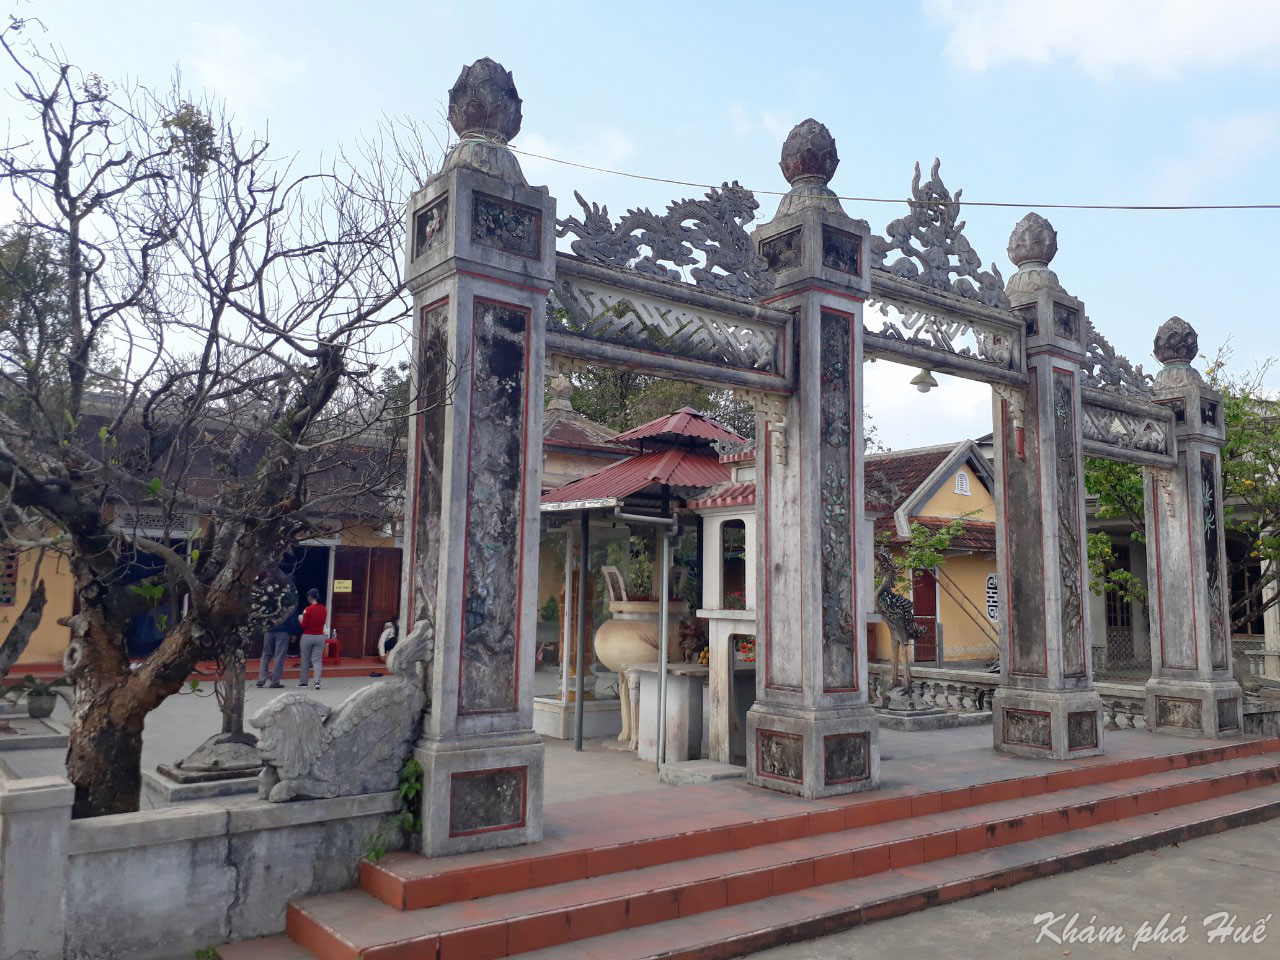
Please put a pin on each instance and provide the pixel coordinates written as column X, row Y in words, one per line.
column 104, row 756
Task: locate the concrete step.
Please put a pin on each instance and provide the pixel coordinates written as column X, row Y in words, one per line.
column 265, row 948
column 738, row 930
column 353, row 924
column 640, row 834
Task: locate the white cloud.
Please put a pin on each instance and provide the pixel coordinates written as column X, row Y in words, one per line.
column 1221, row 148
column 236, row 66
column 1101, row 37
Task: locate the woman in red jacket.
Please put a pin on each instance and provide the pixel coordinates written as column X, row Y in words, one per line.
column 313, row 620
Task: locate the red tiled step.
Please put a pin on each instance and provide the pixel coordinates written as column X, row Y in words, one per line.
column 410, row 882
column 352, row 924
column 735, row 931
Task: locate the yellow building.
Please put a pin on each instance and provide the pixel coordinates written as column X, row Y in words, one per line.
column 956, row 603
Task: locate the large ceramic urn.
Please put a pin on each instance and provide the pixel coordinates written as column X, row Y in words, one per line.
column 630, row 635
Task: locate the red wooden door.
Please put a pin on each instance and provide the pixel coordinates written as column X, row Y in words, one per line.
column 383, row 595
column 924, row 598
column 350, row 581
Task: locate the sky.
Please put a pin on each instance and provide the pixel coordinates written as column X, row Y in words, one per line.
column 1091, row 101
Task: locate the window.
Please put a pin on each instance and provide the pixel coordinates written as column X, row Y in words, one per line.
column 962, row 483
column 993, row 598
column 1118, row 609
column 8, row 577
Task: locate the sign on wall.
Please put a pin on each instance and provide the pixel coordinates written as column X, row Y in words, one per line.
column 993, row 598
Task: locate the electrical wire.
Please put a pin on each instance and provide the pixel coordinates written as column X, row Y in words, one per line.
column 898, row 200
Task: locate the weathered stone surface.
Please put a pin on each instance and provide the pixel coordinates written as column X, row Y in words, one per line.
column 1176, row 342
column 1027, row 727
column 309, row 752
column 1082, row 729
column 507, row 226
column 841, row 250
column 429, row 226
column 487, row 800
column 35, row 821
column 1033, row 241
column 484, row 102
column 780, row 755
column 846, row 757
column 839, row 642
column 784, row 251
column 1178, row 712
column 809, row 151
column 1228, row 713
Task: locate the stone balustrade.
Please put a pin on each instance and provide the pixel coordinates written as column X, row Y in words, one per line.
column 1123, row 705
column 959, row 691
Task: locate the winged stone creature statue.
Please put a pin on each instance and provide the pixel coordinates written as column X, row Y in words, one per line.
column 310, row 751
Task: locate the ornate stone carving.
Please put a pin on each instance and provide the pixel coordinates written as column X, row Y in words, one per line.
column 310, row 751
column 1033, row 242
column 780, row 755
column 506, row 226
column 710, row 228
column 839, row 645
column 632, row 319
column 430, row 226
column 1082, row 730
column 846, row 757
column 1229, row 713
column 1176, row 342
column 484, row 800
column 483, row 102
column 1108, row 370
column 933, row 246
column 809, row 151
column 1123, row 430
column 1178, row 712
column 949, row 333
column 1213, row 558
column 491, row 576
column 1067, row 473
column 1029, row 727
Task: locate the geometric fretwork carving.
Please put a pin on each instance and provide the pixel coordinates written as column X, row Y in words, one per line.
column 949, row 333
column 932, row 247
column 633, row 319
column 713, row 228
column 1124, row 430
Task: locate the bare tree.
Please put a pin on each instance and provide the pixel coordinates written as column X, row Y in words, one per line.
column 214, row 394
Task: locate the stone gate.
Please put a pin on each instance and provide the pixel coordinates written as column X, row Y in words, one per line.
column 785, row 315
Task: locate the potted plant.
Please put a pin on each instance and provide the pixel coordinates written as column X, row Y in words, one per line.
column 41, row 695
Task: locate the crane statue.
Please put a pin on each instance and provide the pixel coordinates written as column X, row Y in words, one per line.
column 899, row 614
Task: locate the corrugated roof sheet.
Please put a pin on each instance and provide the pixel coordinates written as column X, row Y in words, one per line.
column 685, row 423
column 675, row 467
column 566, row 428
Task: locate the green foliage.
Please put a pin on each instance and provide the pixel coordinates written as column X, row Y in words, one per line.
column 1106, row 574
column 622, row 399
column 1118, row 488
column 925, row 549
column 29, row 686
column 550, row 610
column 206, row 953
column 407, row 820
column 192, row 136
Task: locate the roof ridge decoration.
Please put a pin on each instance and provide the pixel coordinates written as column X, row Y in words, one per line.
column 713, row 227
column 933, row 246
column 1111, row 371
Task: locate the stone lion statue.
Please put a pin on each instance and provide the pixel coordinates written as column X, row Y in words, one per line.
column 311, row 752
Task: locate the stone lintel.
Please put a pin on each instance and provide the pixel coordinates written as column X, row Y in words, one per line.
column 1195, row 708
column 1052, row 724
column 813, row 753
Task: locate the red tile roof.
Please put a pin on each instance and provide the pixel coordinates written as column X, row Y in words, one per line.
column 892, row 477
column 674, row 467
column 567, row 428
column 741, row 494
column 979, row 535
column 686, row 423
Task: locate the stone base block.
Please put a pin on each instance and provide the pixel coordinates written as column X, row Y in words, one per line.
column 930, row 720
column 554, row 718
column 685, row 772
column 1195, row 708
column 813, row 753
column 25, row 733
column 158, row 788
column 480, row 792
column 1057, row 725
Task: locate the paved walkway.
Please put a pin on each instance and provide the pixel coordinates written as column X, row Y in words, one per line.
column 1237, row 872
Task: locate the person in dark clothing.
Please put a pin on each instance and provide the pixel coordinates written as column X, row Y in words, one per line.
column 275, row 645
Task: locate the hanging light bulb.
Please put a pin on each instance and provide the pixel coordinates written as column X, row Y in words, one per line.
column 923, row 381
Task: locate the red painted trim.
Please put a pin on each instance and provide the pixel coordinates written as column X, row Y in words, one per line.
column 1155, row 525
column 1073, row 374
column 466, row 535
column 784, row 736
column 524, row 799
column 815, row 288
column 1191, row 552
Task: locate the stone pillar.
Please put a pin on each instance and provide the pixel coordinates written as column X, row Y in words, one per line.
column 812, row 731
column 1046, row 705
column 1191, row 691
column 479, row 261
column 1270, row 623
column 35, row 826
